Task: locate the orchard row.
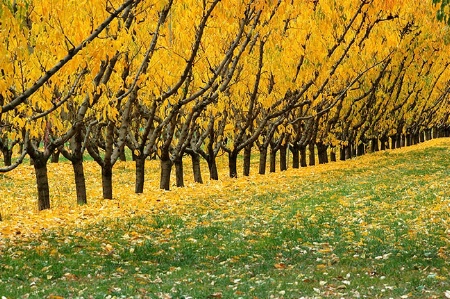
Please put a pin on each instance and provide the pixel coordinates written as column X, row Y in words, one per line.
column 171, row 79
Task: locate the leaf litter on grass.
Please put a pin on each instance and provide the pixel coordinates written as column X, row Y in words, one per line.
column 370, row 212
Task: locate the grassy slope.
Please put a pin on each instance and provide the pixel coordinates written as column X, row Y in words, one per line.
column 376, row 226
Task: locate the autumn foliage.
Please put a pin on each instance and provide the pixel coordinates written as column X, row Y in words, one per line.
column 166, row 80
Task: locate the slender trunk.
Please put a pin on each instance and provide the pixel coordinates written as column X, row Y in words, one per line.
column 55, row 157
column 283, row 157
column 232, row 164
column 393, row 144
column 166, row 169
column 40, row 168
column 262, row 160
column 179, row 176
column 107, row 181
column 435, row 132
column 196, row 168
column 80, row 182
column 272, row 160
column 140, row 173
column 302, row 150
column 312, row 158
column 247, row 158
column 422, row 136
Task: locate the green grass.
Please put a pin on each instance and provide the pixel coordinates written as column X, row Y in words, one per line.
column 377, row 230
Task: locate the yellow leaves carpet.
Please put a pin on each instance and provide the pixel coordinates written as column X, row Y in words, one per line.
column 229, row 197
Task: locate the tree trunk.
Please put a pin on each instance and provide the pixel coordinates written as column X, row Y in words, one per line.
column 283, row 157
column 348, row 151
column 312, row 155
column 7, row 157
column 122, row 156
column 262, row 160
column 166, row 169
column 55, row 157
column 232, row 165
column 374, row 145
column 40, row 168
column 322, row 153
column 80, row 182
column 196, row 168
column 140, row 173
column 212, row 166
column 333, row 154
column 247, row 158
column 295, row 156
column 107, row 181
column 179, row 175
column 272, row 160
column 361, row 149
column 302, row 150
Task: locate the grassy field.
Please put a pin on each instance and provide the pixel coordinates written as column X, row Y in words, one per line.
column 377, row 226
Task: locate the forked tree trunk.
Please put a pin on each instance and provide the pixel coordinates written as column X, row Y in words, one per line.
column 80, row 182
column 166, row 169
column 283, row 157
column 55, row 157
column 107, row 181
column 247, row 159
column 196, row 168
column 40, row 168
column 232, row 165
column 122, row 156
column 179, row 176
column 262, row 160
column 140, row 173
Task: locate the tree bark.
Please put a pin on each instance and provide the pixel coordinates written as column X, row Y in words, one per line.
column 232, row 165
column 40, row 168
column 295, row 156
column 262, row 160
column 322, row 153
column 140, row 173
column 55, row 157
column 212, row 166
column 312, row 157
column 179, row 175
column 7, row 157
column 333, row 154
column 302, row 150
column 196, row 168
column 283, row 157
column 247, row 159
column 166, row 169
column 272, row 160
column 361, row 149
column 107, row 181
column 80, row 182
